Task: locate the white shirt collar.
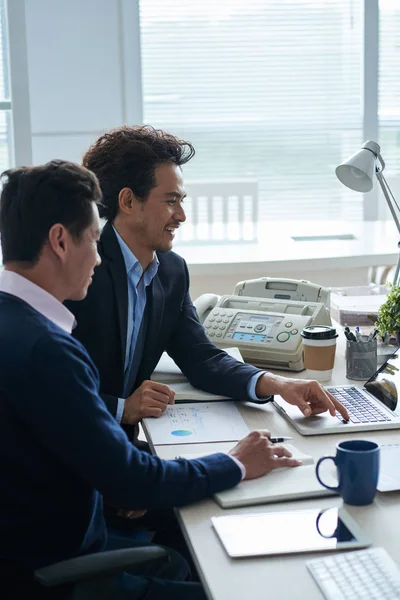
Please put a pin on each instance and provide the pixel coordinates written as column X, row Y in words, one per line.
column 37, row 298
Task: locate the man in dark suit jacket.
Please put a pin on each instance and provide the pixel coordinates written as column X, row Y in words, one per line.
column 171, row 324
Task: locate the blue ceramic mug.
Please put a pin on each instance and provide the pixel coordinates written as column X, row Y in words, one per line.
column 357, row 464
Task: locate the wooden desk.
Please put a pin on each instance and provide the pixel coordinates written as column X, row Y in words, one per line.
column 281, row 577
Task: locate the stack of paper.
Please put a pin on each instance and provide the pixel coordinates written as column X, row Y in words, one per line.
column 185, row 392
column 167, row 371
column 389, row 471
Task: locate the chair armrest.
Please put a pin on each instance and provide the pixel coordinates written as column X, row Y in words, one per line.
column 98, row 565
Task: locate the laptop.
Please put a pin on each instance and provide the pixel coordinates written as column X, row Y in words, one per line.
column 373, row 407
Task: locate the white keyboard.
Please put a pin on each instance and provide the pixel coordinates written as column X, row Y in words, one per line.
column 362, row 575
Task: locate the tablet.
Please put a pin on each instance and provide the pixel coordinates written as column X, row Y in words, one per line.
column 289, row 532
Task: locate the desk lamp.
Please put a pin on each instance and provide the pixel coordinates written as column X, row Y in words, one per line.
column 357, row 173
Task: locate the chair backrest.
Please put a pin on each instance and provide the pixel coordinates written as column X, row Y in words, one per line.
column 381, row 274
column 223, row 210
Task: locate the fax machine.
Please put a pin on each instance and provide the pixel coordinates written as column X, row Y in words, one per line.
column 265, row 326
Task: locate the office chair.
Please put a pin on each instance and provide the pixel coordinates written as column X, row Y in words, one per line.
column 91, row 575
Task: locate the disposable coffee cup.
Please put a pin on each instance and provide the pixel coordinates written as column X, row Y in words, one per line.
column 319, row 344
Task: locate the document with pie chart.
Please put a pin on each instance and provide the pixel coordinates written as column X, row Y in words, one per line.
column 193, row 423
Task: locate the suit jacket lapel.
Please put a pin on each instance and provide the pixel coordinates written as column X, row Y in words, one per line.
column 111, row 252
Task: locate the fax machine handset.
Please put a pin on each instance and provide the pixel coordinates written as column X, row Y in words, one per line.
column 204, row 305
column 284, row 289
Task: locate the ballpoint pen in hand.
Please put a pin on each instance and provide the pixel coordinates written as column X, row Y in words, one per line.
column 278, row 440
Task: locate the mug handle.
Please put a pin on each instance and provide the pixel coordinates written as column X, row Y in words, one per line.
column 322, row 512
column 329, row 487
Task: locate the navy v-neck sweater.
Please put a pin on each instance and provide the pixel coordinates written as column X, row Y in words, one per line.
column 61, row 450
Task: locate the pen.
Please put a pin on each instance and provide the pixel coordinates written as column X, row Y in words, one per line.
column 278, row 440
column 350, row 336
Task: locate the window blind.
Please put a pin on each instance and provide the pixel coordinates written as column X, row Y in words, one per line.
column 389, row 89
column 267, row 90
column 5, row 121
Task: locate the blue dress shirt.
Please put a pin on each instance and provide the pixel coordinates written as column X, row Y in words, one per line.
column 137, row 284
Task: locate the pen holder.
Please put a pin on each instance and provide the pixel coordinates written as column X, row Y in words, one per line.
column 361, row 360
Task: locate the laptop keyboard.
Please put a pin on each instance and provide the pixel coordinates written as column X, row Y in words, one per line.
column 360, row 409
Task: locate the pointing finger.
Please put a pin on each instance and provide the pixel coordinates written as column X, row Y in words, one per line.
column 339, row 407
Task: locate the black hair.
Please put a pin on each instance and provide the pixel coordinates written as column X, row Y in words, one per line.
column 126, row 157
column 33, row 199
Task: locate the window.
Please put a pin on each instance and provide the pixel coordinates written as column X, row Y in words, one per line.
column 389, row 90
column 5, row 103
column 270, row 90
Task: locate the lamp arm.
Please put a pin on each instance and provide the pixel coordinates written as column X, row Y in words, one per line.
column 379, row 157
column 388, row 199
column 385, row 190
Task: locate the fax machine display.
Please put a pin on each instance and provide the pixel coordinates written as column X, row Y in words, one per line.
column 248, row 337
column 253, row 328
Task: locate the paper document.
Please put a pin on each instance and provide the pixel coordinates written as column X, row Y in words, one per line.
column 306, row 459
column 167, row 371
column 224, row 447
column 184, row 392
column 389, row 470
column 195, row 423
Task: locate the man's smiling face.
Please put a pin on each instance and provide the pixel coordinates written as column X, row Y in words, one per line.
column 159, row 216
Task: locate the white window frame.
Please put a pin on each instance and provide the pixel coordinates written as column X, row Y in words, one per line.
column 20, row 143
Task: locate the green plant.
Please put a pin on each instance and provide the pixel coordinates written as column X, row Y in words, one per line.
column 389, row 313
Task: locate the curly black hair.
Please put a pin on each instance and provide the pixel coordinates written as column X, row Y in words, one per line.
column 127, row 157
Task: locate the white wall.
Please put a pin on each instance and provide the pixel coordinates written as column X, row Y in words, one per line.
column 225, row 284
column 82, row 62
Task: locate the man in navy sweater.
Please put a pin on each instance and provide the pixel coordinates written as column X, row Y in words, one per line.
column 61, row 451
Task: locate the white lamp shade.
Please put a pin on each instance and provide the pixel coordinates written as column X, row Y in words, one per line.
column 357, row 171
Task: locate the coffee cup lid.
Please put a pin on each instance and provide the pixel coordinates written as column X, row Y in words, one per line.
column 319, row 332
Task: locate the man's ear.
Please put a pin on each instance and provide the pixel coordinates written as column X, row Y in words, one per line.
column 58, row 240
column 126, row 200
